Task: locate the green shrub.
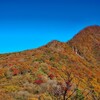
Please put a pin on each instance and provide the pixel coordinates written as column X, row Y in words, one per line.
column 79, row 95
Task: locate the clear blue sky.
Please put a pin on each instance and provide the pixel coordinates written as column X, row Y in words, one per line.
column 27, row 24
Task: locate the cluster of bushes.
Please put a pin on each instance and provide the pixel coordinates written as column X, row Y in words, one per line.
column 44, row 85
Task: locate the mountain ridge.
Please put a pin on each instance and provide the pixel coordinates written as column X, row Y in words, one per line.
column 88, row 27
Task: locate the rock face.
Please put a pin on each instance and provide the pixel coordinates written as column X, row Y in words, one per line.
column 87, row 43
column 79, row 56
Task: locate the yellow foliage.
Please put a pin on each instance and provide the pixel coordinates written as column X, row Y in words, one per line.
column 11, row 88
column 45, row 97
column 33, row 99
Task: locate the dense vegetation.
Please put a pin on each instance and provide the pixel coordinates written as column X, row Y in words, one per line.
column 56, row 71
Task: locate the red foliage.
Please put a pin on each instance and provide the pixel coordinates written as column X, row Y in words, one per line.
column 15, row 71
column 38, row 81
column 68, row 85
column 51, row 76
column 10, row 65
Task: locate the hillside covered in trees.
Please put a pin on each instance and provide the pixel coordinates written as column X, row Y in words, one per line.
column 57, row 71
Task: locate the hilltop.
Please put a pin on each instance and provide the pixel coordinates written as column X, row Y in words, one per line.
column 42, row 73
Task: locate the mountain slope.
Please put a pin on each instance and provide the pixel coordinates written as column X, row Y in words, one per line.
column 87, row 44
column 79, row 56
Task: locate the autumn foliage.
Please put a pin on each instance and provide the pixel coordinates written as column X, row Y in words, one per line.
column 57, row 71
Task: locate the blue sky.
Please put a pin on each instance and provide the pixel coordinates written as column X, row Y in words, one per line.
column 27, row 24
